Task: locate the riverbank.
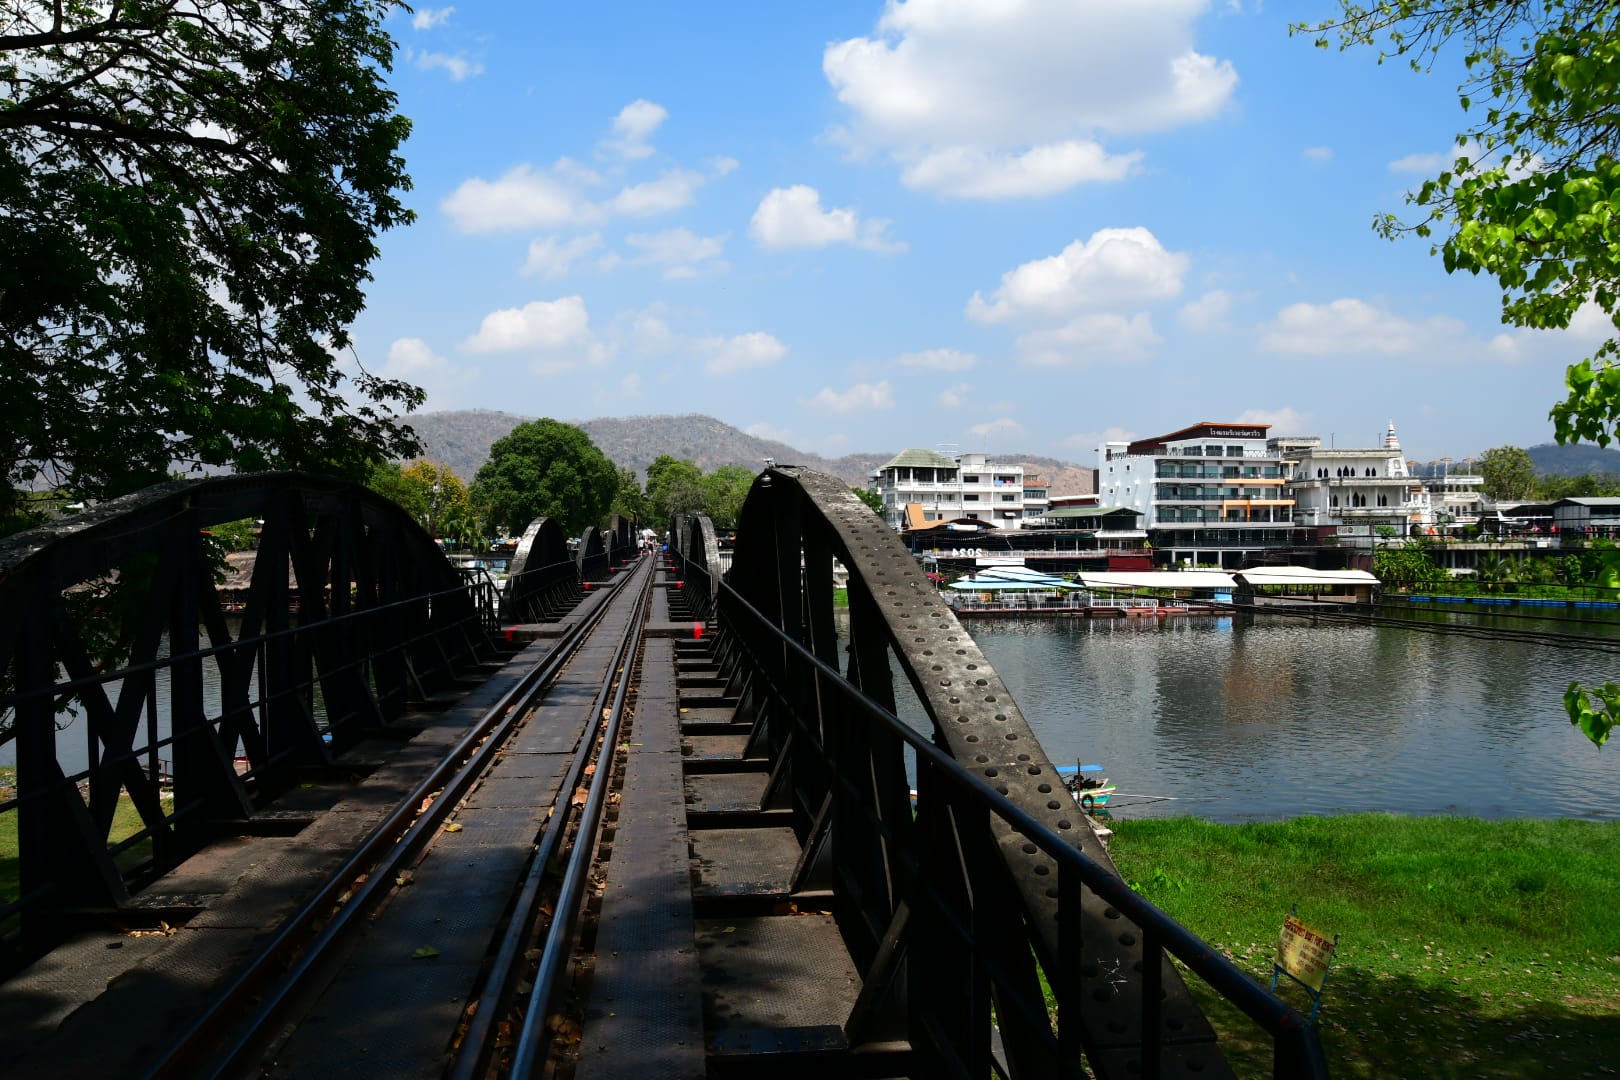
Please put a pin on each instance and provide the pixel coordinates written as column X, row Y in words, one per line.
column 1467, row 948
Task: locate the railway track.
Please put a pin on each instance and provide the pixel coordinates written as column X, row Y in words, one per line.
column 434, row 949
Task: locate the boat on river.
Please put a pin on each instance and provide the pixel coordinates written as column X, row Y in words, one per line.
column 1089, row 790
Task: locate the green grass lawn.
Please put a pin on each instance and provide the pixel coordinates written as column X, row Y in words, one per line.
column 1466, row 948
column 126, row 822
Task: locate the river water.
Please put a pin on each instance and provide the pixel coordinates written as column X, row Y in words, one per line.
column 1275, row 717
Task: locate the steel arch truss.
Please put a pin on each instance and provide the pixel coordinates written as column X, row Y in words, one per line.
column 542, row 583
column 349, row 612
column 965, row 897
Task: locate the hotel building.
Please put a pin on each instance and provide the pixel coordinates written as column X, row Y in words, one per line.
column 965, row 486
column 1210, row 494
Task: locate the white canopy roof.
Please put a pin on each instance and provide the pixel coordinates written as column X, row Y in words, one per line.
column 1157, row 579
column 1304, row 575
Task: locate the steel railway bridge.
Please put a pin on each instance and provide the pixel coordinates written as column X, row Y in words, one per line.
column 621, row 816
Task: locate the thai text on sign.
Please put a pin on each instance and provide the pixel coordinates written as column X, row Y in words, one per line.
column 1304, row 953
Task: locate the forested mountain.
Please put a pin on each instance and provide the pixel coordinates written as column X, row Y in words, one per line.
column 1580, row 459
column 461, row 439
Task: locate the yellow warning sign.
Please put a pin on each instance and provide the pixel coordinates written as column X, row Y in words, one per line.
column 1304, row 952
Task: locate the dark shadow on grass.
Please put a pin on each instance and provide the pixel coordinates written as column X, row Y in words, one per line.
column 1397, row 1026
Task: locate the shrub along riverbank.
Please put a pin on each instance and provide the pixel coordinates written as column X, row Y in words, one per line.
column 1467, row 948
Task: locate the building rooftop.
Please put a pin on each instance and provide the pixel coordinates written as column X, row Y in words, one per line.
column 1207, row 429
column 920, row 459
column 1088, row 511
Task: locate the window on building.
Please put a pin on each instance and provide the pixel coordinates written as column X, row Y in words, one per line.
column 1009, row 498
column 970, row 479
column 1234, row 451
column 970, row 497
column 1212, row 451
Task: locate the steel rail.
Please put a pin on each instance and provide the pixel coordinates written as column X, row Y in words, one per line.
column 396, row 839
column 560, row 931
column 495, row 989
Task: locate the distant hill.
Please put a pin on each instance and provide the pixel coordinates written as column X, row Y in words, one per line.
column 461, row 439
column 1578, row 460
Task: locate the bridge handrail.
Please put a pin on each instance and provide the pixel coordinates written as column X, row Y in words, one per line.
column 1296, row 1040
column 794, row 526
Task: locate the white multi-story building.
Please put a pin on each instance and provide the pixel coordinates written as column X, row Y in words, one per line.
column 1356, row 489
column 1359, row 490
column 966, row 486
column 1209, row 494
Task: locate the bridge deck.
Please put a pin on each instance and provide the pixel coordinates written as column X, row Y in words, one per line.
column 714, row 952
column 102, row 1001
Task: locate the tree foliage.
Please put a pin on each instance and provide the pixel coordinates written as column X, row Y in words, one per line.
column 674, row 486
column 546, row 468
column 723, row 493
column 1533, row 197
column 190, row 196
column 1508, row 473
column 870, row 498
column 1407, row 565
column 432, row 494
column 628, row 501
column 1586, row 485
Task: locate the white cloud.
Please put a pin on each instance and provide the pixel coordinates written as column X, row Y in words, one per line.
column 429, row 18
column 543, row 324
column 793, row 218
column 939, row 360
column 1028, row 82
column 722, row 166
column 630, row 385
column 953, row 396
column 1431, row 164
column 1284, row 421
column 862, row 397
column 964, row 172
column 413, row 360
column 1114, row 267
column 1318, row 153
column 1088, row 337
column 1207, row 313
column 1591, row 324
column 682, row 252
column 550, row 258
column 648, row 331
column 741, row 353
column 458, row 65
column 1426, row 164
column 1090, row 440
column 632, row 128
column 1589, row 327
column 671, row 191
column 763, row 430
column 1353, row 326
column 523, row 198
column 1004, row 427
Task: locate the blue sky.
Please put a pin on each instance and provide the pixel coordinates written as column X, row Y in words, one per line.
column 998, row 225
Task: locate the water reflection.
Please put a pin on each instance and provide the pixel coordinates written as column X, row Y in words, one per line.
column 1272, row 717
